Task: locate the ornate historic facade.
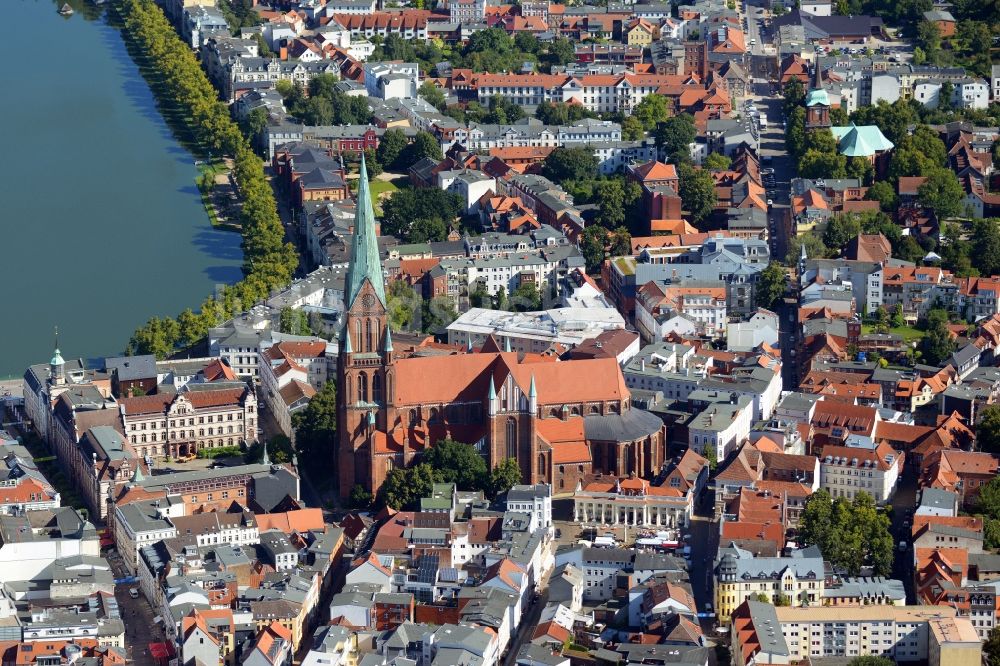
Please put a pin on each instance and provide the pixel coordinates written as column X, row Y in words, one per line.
column 544, row 413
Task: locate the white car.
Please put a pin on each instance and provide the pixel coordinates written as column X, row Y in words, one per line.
column 770, row 203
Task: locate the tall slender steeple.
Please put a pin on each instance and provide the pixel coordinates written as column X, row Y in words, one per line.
column 57, row 366
column 365, row 260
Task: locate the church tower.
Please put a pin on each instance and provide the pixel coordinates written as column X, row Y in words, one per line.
column 817, row 103
column 57, row 366
column 364, row 364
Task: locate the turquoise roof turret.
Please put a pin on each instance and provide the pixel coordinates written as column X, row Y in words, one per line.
column 506, row 343
column 365, row 260
column 493, row 389
column 532, row 392
column 388, row 340
column 345, row 340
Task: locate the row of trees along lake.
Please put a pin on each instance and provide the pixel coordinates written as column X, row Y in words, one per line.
column 180, row 84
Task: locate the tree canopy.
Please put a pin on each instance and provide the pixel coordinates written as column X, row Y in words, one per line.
column 565, row 164
column 316, row 430
column 268, row 261
column 697, row 191
column 850, row 534
column 404, row 207
column 771, row 286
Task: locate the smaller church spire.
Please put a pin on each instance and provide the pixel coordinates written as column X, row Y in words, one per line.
column 388, row 340
column 267, row 458
column 137, row 475
column 493, row 389
column 468, row 346
column 345, row 340
column 371, row 418
column 506, row 343
column 532, row 392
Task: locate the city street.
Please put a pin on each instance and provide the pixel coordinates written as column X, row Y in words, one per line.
column 138, row 616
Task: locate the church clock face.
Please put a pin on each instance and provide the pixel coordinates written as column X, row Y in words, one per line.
column 367, row 301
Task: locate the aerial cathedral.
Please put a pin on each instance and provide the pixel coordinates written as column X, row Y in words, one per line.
column 562, row 421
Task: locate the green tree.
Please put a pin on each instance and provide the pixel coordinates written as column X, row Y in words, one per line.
column 898, row 321
column 651, row 111
column 926, row 141
column 620, row 242
column 279, row 449
column 717, row 162
column 817, row 164
column 424, row 145
column 526, row 298
column 771, row 285
column 871, row 660
column 316, row 430
column 480, row 296
column 564, row 164
column 711, row 455
column 850, row 534
column 929, row 38
column 403, row 488
column 988, row 439
column 991, row 648
column 405, row 206
column 794, row 95
column 984, row 248
column 675, row 135
column 458, row 463
column 189, row 329
column 632, row 129
column 936, row 345
column 611, row 203
column 795, row 131
column 255, row 123
column 437, row 313
column 884, row 193
column 293, row 322
column 427, row 229
column 761, row 597
column 360, row 498
column 561, row 51
column 942, row 193
column 391, row 146
column 697, row 190
column 431, row 94
column 403, row 305
column 840, row 230
column 594, row 246
column 500, row 299
column 815, row 248
column 504, row 476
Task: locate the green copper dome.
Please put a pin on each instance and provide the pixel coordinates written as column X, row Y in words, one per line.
column 817, row 97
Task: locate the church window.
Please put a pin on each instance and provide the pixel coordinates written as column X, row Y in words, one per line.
column 541, row 464
column 511, row 438
column 369, row 344
column 362, row 387
column 413, row 417
column 376, row 388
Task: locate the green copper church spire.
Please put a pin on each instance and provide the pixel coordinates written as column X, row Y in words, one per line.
column 365, row 261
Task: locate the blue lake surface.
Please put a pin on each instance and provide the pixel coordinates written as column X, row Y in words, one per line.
column 101, row 223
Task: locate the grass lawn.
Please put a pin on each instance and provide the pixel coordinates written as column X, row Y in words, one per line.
column 908, row 333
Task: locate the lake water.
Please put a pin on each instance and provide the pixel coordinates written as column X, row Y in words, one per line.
column 101, row 224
